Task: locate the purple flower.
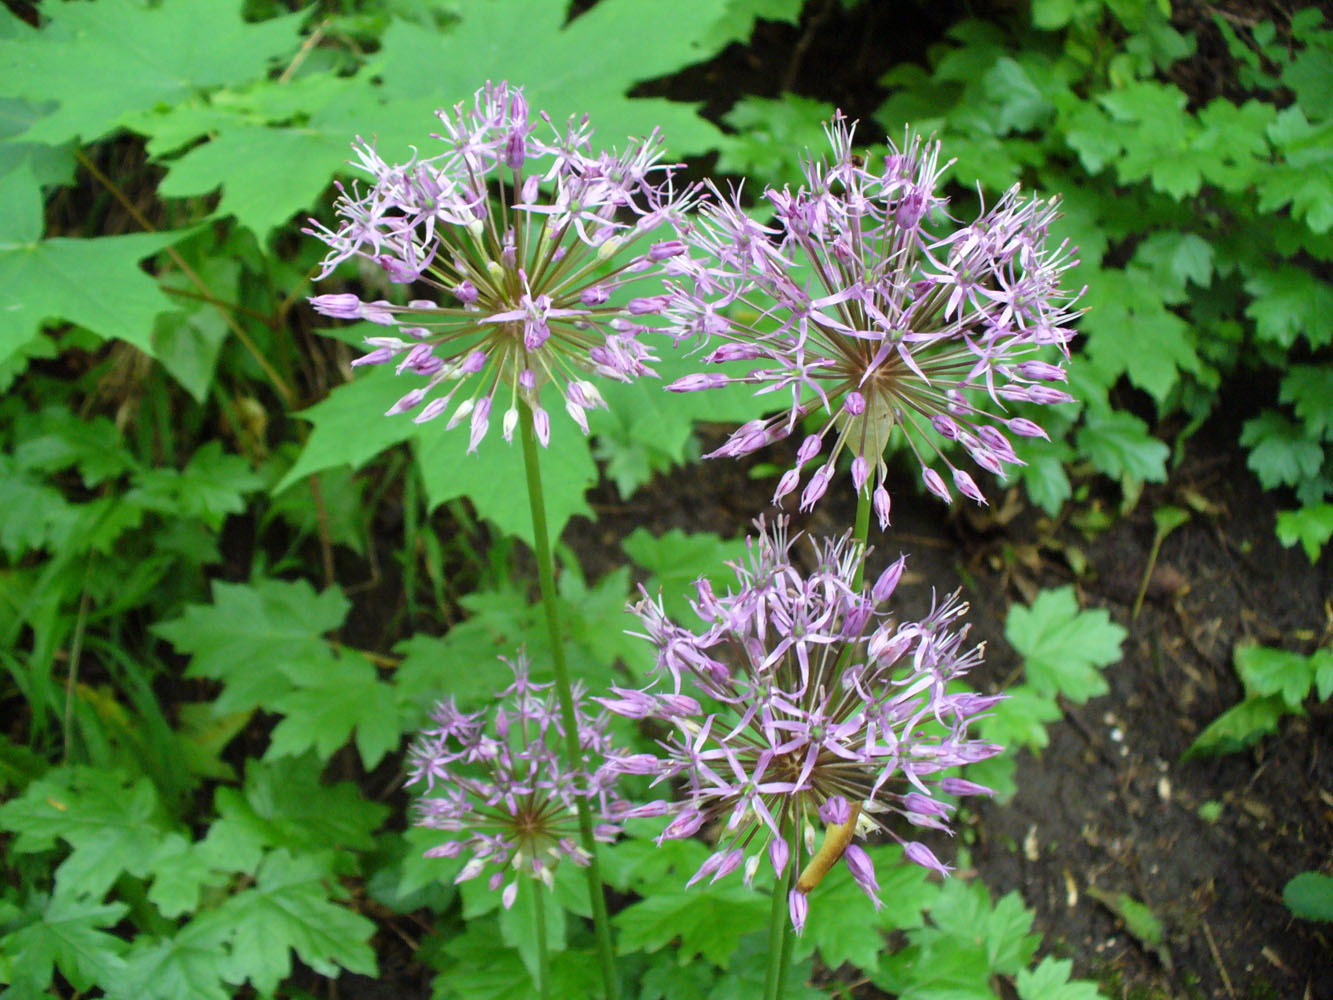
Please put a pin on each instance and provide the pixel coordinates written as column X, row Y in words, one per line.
column 814, row 705
column 506, row 796
column 862, row 303
column 513, row 238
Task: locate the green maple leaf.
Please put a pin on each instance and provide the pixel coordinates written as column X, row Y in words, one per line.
column 737, row 21
column 65, row 934
column 748, row 971
column 188, row 341
column 190, row 965
column 112, row 825
column 1050, row 981
column 1290, row 302
column 464, row 664
column 495, row 479
column 1130, row 330
column 638, row 863
column 96, row 283
column 326, row 113
column 676, row 560
column 772, row 132
column 709, row 921
column 1020, row 720
column 211, row 486
column 1312, row 526
column 410, row 880
column 1160, row 139
column 1044, row 476
column 349, row 429
column 1309, row 388
column 34, row 511
column 1184, row 256
column 334, row 696
column 667, row 979
column 349, row 426
column 1063, row 647
column 1280, row 453
column 181, row 869
column 567, row 67
column 284, row 804
column 1266, row 671
column 1234, row 143
column 964, row 913
column 250, row 635
column 645, row 429
column 1301, row 180
column 1118, row 443
column 596, row 621
column 291, row 909
column 55, row 438
column 100, row 62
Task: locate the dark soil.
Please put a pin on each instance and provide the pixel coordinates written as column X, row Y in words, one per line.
column 1109, row 807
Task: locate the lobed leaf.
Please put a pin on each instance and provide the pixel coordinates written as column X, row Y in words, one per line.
column 132, row 56
column 1062, row 647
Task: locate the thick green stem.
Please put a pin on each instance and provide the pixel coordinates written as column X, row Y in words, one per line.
column 779, row 920
column 780, row 933
column 543, row 961
column 860, row 532
column 784, row 959
column 546, row 573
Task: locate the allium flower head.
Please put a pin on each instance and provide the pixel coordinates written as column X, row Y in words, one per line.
column 506, row 795
column 513, row 238
column 805, row 701
column 867, row 303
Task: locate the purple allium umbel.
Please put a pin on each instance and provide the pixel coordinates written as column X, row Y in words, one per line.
column 802, row 702
column 505, row 795
column 865, row 303
column 512, row 237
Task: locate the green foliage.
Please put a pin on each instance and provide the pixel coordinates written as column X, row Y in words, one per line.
column 968, row 941
column 111, row 828
column 1276, row 683
column 182, row 458
column 111, row 825
column 709, row 924
column 1157, row 184
column 95, row 283
column 772, row 135
column 1311, row 526
column 64, row 933
column 1062, row 647
column 288, row 910
column 180, row 51
column 676, row 560
column 1064, row 651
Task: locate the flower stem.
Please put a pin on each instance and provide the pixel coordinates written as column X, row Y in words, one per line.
column 860, row 532
column 780, row 933
column 546, row 573
column 543, row 960
column 779, row 922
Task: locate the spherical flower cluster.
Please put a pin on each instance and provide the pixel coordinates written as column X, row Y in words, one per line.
column 864, row 306
column 507, row 796
column 514, row 244
column 803, row 697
